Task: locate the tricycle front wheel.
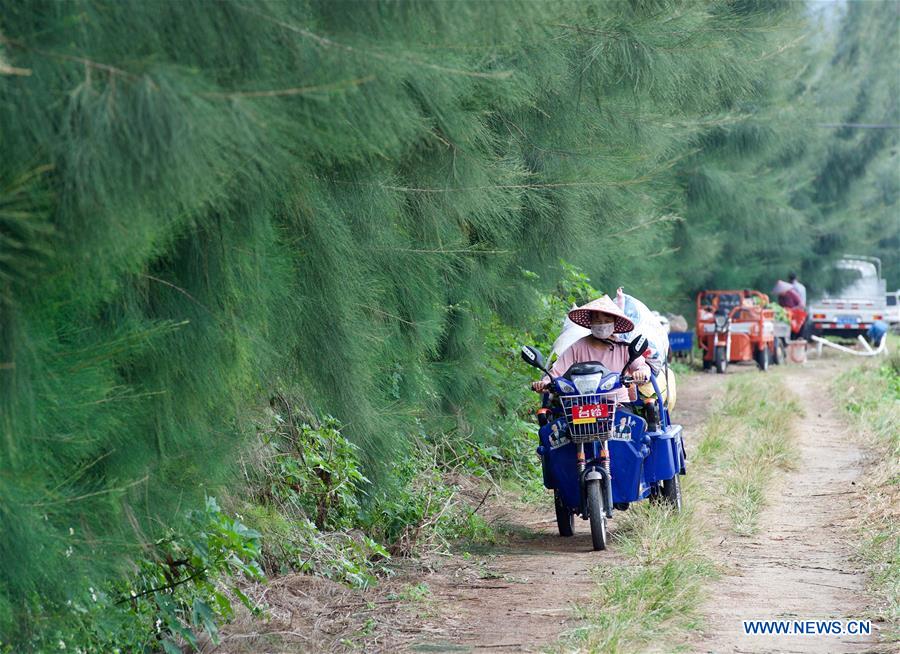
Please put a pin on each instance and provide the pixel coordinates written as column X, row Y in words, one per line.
column 778, row 352
column 565, row 519
column 762, row 358
column 720, row 360
column 597, row 515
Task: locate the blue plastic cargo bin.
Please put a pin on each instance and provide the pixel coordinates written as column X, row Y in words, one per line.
column 681, row 341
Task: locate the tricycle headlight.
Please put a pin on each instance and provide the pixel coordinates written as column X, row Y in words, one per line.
column 587, row 384
column 608, row 383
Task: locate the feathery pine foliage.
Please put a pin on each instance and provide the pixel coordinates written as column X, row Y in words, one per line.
column 203, row 204
column 778, row 184
column 852, row 183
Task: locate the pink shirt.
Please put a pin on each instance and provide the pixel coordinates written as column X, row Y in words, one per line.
column 611, row 355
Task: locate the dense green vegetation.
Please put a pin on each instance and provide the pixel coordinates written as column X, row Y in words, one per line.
column 846, row 183
column 362, row 207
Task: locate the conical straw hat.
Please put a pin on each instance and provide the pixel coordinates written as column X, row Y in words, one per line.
column 582, row 315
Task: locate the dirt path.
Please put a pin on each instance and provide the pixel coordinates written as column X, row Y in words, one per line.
column 519, row 597
column 524, row 596
column 799, row 564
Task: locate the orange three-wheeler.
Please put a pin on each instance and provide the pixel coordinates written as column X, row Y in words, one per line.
column 735, row 326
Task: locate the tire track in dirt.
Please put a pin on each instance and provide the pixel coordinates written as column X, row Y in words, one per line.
column 799, row 564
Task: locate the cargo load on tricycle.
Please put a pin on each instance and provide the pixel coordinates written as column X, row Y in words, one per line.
column 734, row 326
column 605, row 436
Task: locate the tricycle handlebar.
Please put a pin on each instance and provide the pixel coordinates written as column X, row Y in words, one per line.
column 625, row 380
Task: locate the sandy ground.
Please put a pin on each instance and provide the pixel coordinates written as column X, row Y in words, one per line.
column 799, row 566
column 523, row 596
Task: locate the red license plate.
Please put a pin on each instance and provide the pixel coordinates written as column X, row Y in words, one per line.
column 586, row 413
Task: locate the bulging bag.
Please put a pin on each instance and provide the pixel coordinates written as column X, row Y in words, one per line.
column 646, row 324
column 569, row 334
column 666, row 385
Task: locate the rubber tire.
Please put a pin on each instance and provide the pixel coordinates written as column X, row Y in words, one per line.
column 762, row 359
column 671, row 493
column 719, row 359
column 565, row 519
column 596, row 515
column 778, row 352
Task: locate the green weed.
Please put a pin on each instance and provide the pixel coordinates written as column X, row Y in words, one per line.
column 872, row 404
column 658, row 588
column 303, row 491
column 656, row 593
column 746, row 442
column 413, row 593
column 183, row 585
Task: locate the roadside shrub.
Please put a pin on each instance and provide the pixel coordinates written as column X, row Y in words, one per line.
column 311, row 465
column 183, row 585
column 872, row 392
column 304, row 488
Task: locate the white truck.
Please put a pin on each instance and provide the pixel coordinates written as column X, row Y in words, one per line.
column 852, row 311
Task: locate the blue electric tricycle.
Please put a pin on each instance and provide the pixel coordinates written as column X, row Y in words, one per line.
column 597, row 454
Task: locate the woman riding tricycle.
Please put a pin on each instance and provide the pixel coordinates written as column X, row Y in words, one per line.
column 602, row 447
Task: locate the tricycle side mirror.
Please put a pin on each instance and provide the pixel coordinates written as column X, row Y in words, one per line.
column 638, row 345
column 532, row 357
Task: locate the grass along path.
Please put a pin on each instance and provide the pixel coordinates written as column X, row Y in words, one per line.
column 655, row 593
column 793, row 560
column 745, row 444
column 872, row 409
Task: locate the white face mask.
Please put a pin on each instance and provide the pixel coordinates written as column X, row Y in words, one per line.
column 602, row 330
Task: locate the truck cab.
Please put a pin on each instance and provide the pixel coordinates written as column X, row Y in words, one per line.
column 861, row 302
column 892, row 309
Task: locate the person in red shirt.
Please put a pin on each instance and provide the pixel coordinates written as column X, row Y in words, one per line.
column 793, row 301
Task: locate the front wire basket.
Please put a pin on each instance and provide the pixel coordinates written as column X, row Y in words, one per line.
column 593, row 425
